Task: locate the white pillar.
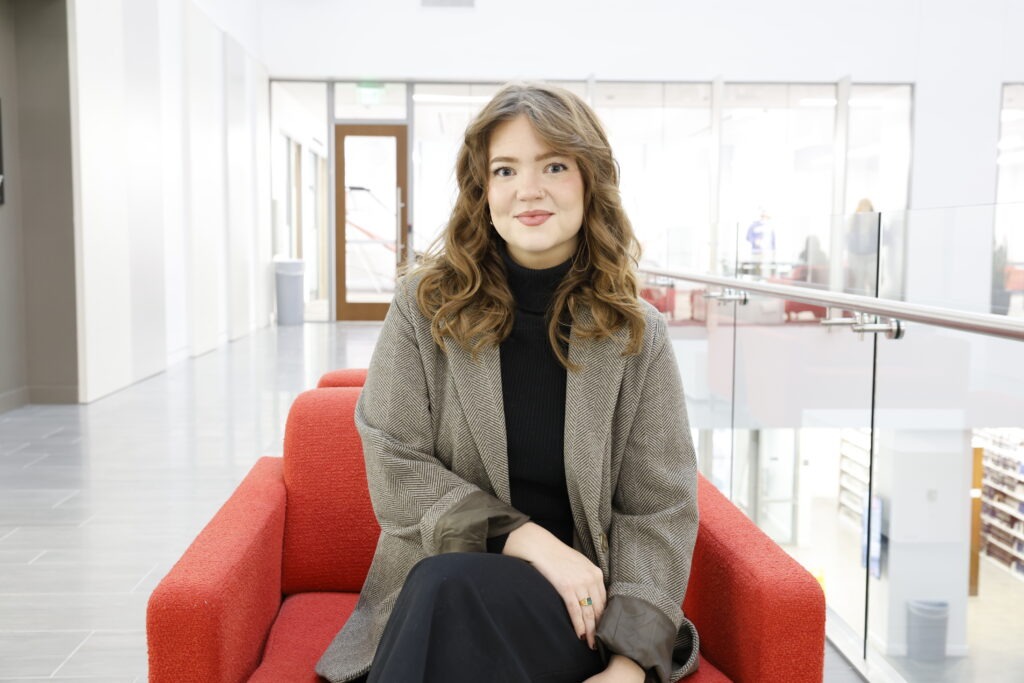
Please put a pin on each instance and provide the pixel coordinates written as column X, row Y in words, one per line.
column 923, row 477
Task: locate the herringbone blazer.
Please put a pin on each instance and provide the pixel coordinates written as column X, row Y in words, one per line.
column 433, row 431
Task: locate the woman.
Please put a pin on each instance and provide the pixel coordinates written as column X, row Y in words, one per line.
column 525, row 435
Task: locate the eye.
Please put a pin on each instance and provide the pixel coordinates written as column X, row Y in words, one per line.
column 557, row 167
column 502, row 172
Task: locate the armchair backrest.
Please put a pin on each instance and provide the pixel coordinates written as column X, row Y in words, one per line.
column 330, row 530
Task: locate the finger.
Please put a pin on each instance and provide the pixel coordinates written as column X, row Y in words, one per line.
column 600, row 602
column 591, row 623
column 572, row 605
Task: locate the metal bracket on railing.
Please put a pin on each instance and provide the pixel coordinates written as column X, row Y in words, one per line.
column 893, row 328
column 871, row 324
column 727, row 295
column 857, row 319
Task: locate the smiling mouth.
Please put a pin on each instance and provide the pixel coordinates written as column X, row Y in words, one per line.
column 533, row 218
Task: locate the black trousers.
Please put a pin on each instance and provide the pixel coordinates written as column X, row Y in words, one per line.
column 480, row 617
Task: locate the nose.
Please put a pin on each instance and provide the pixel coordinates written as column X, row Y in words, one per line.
column 530, row 189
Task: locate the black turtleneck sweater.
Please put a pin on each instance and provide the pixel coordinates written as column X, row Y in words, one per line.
column 533, row 392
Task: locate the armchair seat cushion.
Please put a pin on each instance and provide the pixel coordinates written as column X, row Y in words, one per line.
column 304, row 628
column 308, row 622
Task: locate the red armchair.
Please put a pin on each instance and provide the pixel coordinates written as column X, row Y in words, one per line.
column 266, row 585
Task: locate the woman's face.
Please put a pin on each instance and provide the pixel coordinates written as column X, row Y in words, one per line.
column 535, row 196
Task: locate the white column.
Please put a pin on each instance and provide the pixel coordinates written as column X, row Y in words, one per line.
column 923, row 477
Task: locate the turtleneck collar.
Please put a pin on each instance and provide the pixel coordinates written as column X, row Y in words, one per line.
column 532, row 289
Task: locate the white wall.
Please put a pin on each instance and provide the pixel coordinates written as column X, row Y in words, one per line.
column 263, row 288
column 102, row 147
column 172, row 112
column 206, row 187
column 247, row 90
column 237, row 19
column 166, row 111
column 739, row 40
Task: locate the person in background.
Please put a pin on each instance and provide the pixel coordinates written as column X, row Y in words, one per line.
column 526, row 441
column 862, row 249
column 813, row 264
column 761, row 238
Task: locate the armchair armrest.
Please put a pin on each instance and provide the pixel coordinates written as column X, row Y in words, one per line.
column 347, row 377
column 209, row 618
column 759, row 613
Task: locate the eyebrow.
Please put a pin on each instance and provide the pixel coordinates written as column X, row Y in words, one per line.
column 542, row 157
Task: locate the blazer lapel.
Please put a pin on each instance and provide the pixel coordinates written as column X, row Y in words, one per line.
column 478, row 383
column 590, row 398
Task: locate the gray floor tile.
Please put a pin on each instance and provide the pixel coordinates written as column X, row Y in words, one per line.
column 108, row 654
column 91, row 611
column 98, row 538
column 18, row 556
column 37, row 653
column 32, row 498
column 837, row 669
column 20, row 458
column 12, row 444
column 73, row 578
column 76, row 679
column 45, row 517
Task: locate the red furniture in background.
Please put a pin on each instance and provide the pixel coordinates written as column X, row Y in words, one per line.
column 270, row 580
column 662, row 297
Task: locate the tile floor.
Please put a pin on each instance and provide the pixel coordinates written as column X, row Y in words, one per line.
column 97, row 501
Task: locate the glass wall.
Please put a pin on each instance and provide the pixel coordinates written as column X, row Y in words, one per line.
column 441, row 113
column 776, row 172
column 878, row 147
column 661, row 135
column 891, row 469
column 725, row 178
column 300, row 192
column 946, row 554
column 802, row 446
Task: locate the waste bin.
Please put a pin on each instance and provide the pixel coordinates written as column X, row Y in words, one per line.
column 289, row 277
column 927, row 622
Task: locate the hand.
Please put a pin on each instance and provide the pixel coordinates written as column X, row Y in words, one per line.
column 620, row 669
column 569, row 571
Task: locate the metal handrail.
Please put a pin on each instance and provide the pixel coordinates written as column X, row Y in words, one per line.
column 980, row 323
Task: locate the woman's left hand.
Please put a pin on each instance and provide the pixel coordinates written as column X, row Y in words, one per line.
column 620, row 669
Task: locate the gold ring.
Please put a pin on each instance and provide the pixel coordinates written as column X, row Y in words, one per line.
column 586, row 602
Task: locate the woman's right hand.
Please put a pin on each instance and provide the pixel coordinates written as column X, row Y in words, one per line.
column 574, row 576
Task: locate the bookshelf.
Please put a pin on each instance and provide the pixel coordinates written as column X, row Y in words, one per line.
column 1002, row 497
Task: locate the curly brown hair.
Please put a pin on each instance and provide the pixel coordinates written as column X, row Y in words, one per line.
column 463, row 287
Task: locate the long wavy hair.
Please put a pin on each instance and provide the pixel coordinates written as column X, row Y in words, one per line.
column 464, row 289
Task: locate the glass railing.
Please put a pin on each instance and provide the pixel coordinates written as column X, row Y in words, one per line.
column 890, row 465
column 968, row 258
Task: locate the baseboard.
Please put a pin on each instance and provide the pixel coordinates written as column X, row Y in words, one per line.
column 53, row 394
column 15, row 398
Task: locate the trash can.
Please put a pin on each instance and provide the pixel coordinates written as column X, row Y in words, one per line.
column 288, row 274
column 927, row 622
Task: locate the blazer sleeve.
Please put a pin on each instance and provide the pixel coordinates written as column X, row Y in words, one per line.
column 653, row 526
column 414, row 494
